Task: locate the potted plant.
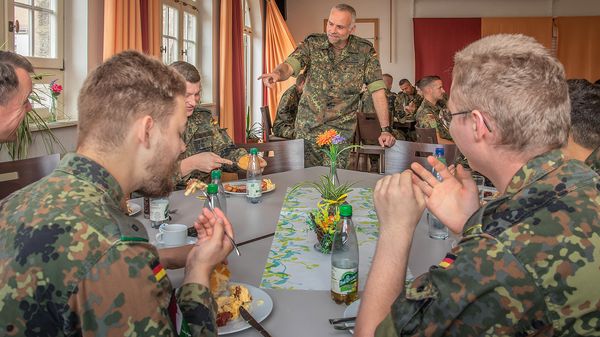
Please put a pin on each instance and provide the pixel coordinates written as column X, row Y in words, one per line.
column 254, row 130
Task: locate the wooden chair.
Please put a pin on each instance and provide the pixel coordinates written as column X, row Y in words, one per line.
column 402, row 154
column 268, row 126
column 367, row 135
column 426, row 135
column 280, row 156
column 17, row 174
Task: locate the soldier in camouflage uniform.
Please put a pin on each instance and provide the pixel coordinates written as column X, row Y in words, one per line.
column 527, row 261
column 429, row 114
column 407, row 102
column 584, row 136
column 340, row 63
column 73, row 264
column 288, row 109
column 208, row 147
column 15, row 88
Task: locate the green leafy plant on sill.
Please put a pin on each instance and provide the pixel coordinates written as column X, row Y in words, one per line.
column 32, row 121
column 254, row 131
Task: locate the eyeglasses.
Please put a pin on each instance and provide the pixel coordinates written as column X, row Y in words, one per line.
column 469, row 111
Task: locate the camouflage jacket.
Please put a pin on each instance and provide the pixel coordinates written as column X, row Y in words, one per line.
column 333, row 84
column 402, row 100
column 527, row 263
column 432, row 116
column 286, row 114
column 203, row 134
column 593, row 160
column 73, row 264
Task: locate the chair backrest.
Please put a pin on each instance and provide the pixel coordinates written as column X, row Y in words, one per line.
column 266, row 122
column 17, row 174
column 426, row 135
column 368, row 128
column 399, row 157
column 280, row 156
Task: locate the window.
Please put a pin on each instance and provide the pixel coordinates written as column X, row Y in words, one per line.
column 35, row 30
column 187, row 35
column 248, row 55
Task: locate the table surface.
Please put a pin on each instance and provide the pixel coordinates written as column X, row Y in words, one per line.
column 295, row 312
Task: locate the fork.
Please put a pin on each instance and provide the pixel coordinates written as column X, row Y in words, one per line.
column 235, row 246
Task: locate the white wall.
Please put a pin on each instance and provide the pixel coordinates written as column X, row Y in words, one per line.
column 306, row 16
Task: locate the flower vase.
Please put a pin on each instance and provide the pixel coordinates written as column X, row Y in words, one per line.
column 323, row 221
column 52, row 109
column 335, row 181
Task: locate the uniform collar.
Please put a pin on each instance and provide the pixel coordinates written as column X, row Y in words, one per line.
column 88, row 170
column 351, row 47
column 535, row 169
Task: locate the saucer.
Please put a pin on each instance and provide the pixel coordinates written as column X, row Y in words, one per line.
column 190, row 241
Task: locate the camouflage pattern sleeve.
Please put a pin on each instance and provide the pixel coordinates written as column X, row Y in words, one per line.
column 373, row 77
column 399, row 104
column 593, row 161
column 199, row 309
column 426, row 119
column 300, row 57
column 286, row 114
column 482, row 290
column 225, row 148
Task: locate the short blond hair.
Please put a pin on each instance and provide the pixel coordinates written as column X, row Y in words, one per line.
column 127, row 86
column 519, row 85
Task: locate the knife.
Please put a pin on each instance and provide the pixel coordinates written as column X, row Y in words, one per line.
column 246, row 315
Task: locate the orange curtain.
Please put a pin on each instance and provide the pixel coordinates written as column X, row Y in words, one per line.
column 540, row 28
column 279, row 43
column 578, row 47
column 231, row 70
column 131, row 24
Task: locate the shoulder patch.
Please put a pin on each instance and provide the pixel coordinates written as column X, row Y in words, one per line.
column 130, row 229
column 448, row 260
column 158, row 270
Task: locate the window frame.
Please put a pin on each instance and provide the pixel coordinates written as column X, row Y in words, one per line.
column 248, row 37
column 39, row 63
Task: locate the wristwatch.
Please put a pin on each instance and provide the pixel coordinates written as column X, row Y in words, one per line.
column 386, row 129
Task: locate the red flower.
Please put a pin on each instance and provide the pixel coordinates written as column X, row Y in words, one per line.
column 56, row 88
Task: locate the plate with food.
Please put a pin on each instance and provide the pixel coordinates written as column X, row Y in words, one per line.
column 239, row 187
column 133, row 208
column 231, row 295
column 193, row 185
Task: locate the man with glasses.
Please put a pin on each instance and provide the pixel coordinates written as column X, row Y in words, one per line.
column 430, row 114
column 527, row 262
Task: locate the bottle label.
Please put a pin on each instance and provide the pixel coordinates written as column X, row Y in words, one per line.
column 159, row 209
column 344, row 281
column 254, row 189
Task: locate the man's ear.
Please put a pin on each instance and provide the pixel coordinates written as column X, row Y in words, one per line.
column 144, row 127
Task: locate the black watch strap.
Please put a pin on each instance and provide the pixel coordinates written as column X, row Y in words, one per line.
column 386, row 129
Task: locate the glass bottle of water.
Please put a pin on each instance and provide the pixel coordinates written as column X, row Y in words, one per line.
column 159, row 211
column 254, row 178
column 212, row 201
column 344, row 259
column 437, row 230
column 215, row 176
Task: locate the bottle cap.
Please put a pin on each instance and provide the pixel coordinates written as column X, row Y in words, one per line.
column 253, row 150
column 215, row 174
column 439, row 151
column 346, row 210
column 212, row 189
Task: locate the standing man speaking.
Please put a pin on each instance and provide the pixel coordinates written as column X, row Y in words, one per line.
column 339, row 64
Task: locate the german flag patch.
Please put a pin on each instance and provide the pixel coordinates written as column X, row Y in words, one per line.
column 158, row 270
column 448, row 260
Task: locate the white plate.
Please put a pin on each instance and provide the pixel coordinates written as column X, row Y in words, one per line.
column 351, row 311
column 236, row 183
column 260, row 308
column 135, row 208
column 190, row 241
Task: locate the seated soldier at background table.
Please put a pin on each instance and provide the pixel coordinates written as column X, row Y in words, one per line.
column 72, row 263
column 15, row 88
column 584, row 137
column 208, row 147
column 407, row 101
column 429, row 114
column 288, row 109
column 527, row 261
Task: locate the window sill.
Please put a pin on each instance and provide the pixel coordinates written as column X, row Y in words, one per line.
column 56, row 125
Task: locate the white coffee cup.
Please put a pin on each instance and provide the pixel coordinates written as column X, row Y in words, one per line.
column 172, row 235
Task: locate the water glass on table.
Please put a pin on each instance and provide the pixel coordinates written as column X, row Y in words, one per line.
column 437, row 230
